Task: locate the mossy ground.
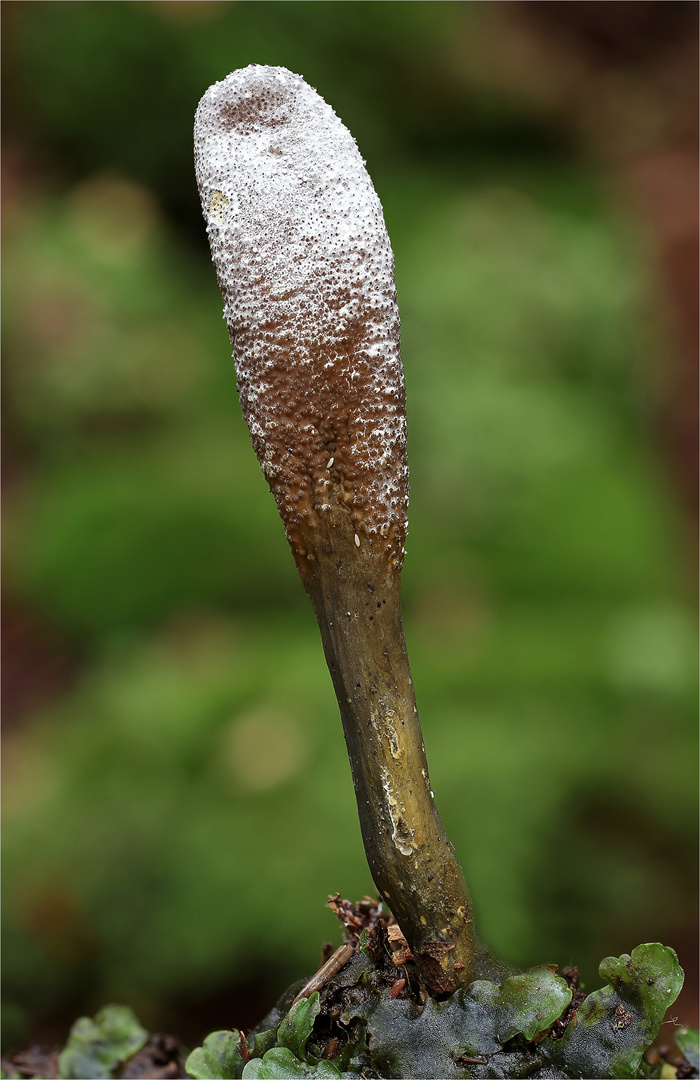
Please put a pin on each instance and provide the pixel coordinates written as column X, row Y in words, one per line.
column 373, row 1018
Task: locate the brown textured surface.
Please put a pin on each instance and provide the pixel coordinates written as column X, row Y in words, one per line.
column 306, row 271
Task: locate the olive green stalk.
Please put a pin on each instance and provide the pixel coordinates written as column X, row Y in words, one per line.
column 356, row 599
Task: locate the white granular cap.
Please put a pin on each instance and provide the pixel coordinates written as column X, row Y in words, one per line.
column 306, row 270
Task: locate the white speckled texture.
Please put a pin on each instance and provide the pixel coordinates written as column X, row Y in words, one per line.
column 306, row 271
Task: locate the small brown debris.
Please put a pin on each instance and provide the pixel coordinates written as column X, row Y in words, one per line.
column 397, row 988
column 400, row 951
column 356, row 917
column 332, row 1048
column 327, row 971
column 621, row 1018
column 431, row 961
column 244, row 1050
column 557, row 1029
column 394, row 933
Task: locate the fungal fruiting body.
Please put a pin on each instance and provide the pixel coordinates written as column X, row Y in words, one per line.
column 306, row 271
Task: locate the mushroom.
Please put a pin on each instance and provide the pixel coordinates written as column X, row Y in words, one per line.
column 306, row 271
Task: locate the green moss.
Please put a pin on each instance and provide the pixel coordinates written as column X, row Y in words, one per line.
column 520, row 1026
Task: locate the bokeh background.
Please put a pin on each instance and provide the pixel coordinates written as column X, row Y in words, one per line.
column 178, row 802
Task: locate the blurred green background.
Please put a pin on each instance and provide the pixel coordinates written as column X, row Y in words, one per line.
column 178, row 802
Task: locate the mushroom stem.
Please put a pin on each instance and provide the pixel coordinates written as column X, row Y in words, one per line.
column 356, row 599
column 307, row 275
